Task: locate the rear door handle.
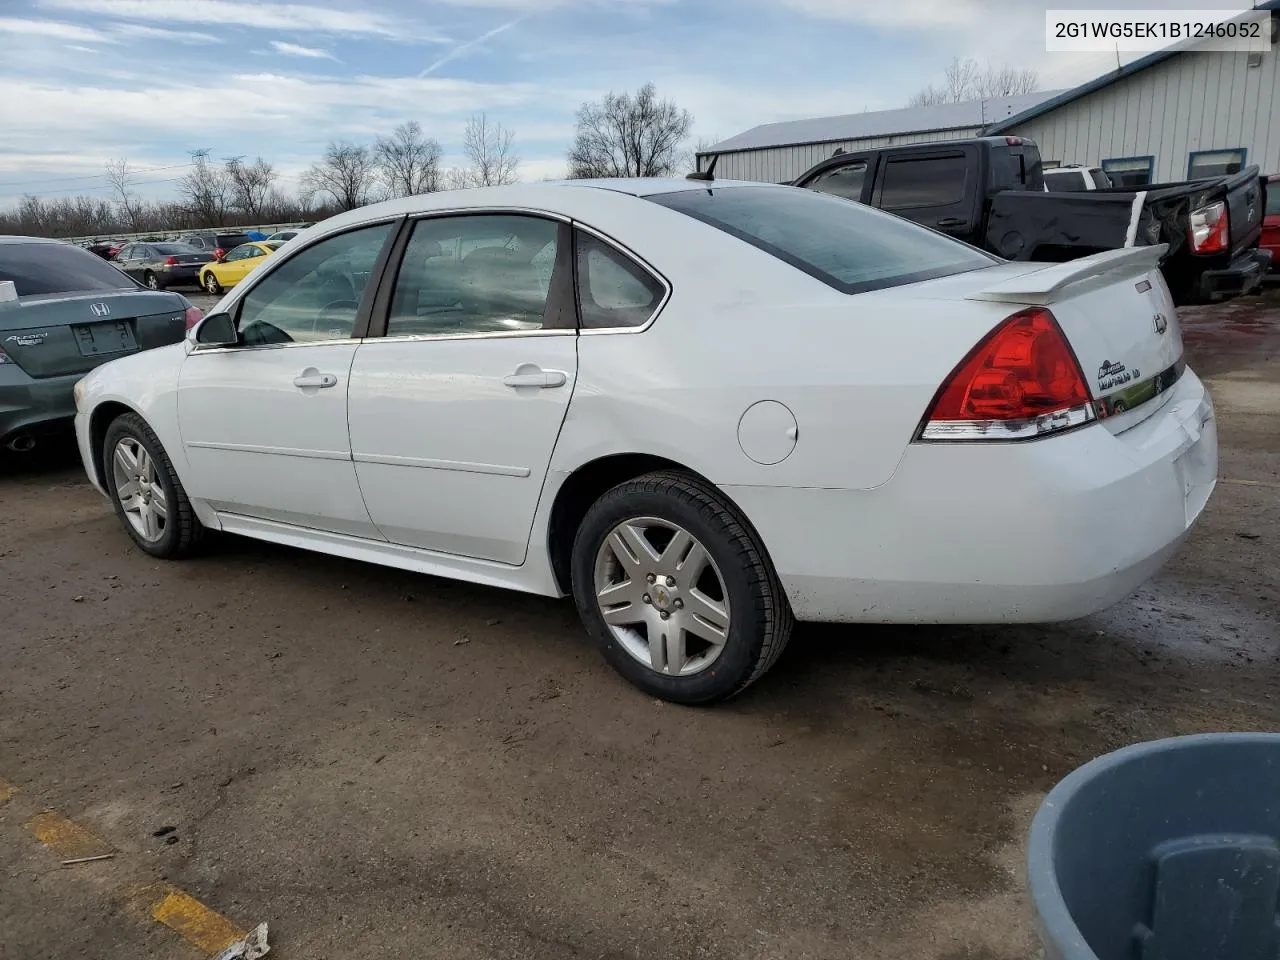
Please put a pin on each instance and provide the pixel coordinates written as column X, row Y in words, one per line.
column 950, row 222
column 316, row 380
column 530, row 375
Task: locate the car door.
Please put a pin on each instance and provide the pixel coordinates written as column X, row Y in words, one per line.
column 235, row 265
column 127, row 260
column 938, row 188
column 264, row 423
column 455, row 411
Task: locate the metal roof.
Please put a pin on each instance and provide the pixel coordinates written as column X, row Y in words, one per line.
column 880, row 123
column 1098, row 83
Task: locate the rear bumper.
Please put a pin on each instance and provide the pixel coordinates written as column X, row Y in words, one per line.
column 1049, row 530
column 30, row 407
column 180, row 276
column 1244, row 275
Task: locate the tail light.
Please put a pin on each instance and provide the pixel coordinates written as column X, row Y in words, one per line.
column 170, row 261
column 1020, row 382
column 1210, row 228
column 4, row 358
column 194, row 316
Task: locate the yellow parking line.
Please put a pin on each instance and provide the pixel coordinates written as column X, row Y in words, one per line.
column 66, row 837
column 207, row 929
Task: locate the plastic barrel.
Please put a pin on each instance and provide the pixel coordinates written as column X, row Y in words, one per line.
column 1168, row 850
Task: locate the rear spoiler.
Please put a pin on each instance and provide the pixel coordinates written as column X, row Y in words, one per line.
column 1047, row 284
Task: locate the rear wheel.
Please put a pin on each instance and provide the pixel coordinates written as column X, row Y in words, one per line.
column 151, row 280
column 677, row 590
column 147, row 494
column 211, row 283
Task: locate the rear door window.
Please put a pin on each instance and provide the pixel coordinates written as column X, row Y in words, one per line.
column 613, row 290
column 42, row 268
column 849, row 246
column 911, row 183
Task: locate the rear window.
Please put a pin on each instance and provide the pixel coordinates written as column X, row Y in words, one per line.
column 172, row 249
column 1068, row 181
column 846, row 245
column 39, row 268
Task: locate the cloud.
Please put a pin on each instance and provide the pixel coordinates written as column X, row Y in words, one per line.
column 265, row 16
column 294, row 50
column 52, row 28
column 160, row 33
column 463, row 48
column 900, row 14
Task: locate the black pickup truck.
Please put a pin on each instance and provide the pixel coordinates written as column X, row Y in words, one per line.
column 989, row 192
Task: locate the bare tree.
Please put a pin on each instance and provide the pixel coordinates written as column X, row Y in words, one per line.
column 346, row 175
column 625, row 136
column 408, row 161
column 250, row 185
column 206, row 191
column 457, row 178
column 120, row 177
column 969, row 80
column 489, row 148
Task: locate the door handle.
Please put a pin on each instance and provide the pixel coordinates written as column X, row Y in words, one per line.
column 315, row 380
column 536, row 377
column 950, row 222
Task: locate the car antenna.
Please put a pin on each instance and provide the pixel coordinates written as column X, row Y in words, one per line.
column 708, row 174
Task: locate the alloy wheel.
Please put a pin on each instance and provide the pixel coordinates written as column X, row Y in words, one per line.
column 139, row 490
column 662, row 596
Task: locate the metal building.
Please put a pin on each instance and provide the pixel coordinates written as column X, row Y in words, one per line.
column 780, row 152
column 1176, row 114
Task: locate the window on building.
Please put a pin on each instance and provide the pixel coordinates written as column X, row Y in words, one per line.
column 1129, row 171
column 1215, row 163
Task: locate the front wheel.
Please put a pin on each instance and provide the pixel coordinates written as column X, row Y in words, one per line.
column 677, row 590
column 212, row 285
column 147, row 494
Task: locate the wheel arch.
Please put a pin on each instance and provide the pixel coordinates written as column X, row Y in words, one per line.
column 585, row 485
column 103, row 415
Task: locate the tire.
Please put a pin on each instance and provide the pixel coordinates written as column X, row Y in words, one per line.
column 211, row 284
column 178, row 533
column 152, row 281
column 759, row 619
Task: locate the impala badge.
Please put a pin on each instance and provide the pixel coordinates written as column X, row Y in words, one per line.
column 1161, row 322
column 99, row 309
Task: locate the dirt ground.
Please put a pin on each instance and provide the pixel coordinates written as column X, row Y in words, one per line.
column 383, row 764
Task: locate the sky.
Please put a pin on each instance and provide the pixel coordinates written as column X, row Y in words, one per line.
column 86, row 81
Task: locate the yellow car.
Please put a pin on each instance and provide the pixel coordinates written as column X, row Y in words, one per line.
column 236, row 264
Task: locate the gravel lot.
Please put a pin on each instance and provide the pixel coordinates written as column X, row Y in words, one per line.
column 382, row 764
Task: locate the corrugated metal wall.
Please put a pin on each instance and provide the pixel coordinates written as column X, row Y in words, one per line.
column 779, row 164
column 1194, row 101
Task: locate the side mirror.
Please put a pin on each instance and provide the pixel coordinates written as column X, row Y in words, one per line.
column 217, row 330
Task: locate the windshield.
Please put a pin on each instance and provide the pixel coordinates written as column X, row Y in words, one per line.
column 37, row 268
column 846, row 245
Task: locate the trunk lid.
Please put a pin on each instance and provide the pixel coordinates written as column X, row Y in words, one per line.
column 1114, row 309
column 59, row 334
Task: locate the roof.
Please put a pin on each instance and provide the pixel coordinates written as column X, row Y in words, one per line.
column 1099, row 83
column 16, row 239
column 880, row 123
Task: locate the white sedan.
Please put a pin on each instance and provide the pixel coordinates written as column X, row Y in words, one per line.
column 705, row 410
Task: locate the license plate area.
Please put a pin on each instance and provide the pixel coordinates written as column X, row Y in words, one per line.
column 110, row 336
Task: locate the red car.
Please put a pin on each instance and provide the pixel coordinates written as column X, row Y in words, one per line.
column 1271, row 222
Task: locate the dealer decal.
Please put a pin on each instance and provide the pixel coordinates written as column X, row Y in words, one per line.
column 28, row 339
